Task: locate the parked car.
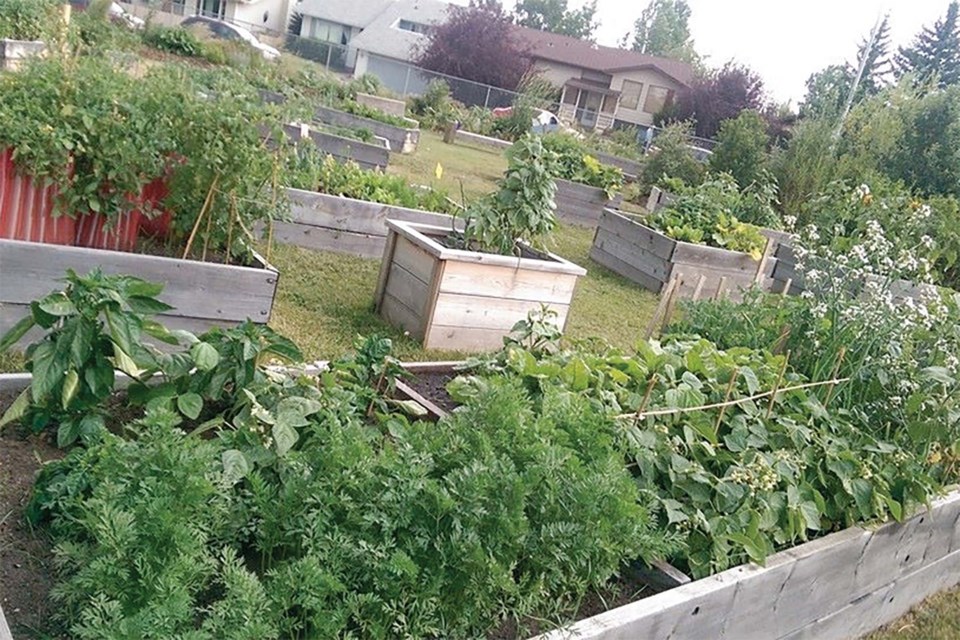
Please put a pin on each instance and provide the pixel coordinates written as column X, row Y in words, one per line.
column 226, row 31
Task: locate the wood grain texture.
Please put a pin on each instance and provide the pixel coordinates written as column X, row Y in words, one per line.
column 630, row 168
column 195, row 289
column 368, row 156
column 580, row 204
column 459, row 310
column 837, row 587
column 504, row 282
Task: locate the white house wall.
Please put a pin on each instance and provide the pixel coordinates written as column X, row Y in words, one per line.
column 252, row 14
column 648, row 77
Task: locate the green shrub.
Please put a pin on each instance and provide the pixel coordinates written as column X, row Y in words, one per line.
column 177, row 40
column 672, row 158
column 576, row 164
column 435, row 109
column 27, row 19
column 741, row 148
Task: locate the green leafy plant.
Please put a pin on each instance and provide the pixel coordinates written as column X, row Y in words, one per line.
column 710, row 214
column 576, row 164
column 310, row 170
column 94, row 328
column 523, row 208
column 672, row 158
column 176, row 40
column 27, row 19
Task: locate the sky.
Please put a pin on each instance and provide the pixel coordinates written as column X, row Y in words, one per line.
column 783, row 41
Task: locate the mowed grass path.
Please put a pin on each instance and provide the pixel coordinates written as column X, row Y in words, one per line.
column 325, row 300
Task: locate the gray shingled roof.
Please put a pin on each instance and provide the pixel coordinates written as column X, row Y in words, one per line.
column 382, row 37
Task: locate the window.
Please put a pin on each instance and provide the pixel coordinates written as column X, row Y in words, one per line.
column 657, row 99
column 415, row 27
column 630, row 94
column 329, row 31
column 570, row 95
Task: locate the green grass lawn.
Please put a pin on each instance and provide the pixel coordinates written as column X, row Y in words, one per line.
column 325, row 300
column 937, row 618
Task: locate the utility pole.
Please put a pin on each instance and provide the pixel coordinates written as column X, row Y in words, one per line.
column 856, row 81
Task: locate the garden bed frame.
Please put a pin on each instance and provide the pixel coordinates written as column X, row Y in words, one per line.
column 366, row 155
column 643, row 255
column 13, row 53
column 658, row 199
column 465, row 300
column 203, row 294
column 401, row 139
column 581, row 205
column 387, row 105
column 326, row 222
column 630, row 168
column 838, row 587
column 786, row 276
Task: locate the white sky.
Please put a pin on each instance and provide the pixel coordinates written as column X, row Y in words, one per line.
column 783, row 41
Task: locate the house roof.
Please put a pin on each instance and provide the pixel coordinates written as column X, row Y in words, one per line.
column 589, row 85
column 355, row 13
column 382, row 36
column 552, row 47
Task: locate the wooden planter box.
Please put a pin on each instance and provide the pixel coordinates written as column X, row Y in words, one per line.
column 203, row 294
column 465, row 137
column 464, row 300
column 324, row 222
column 839, row 587
column 785, row 274
column 402, row 139
column 13, row 53
column 387, row 105
column 649, row 258
column 581, row 205
column 367, row 155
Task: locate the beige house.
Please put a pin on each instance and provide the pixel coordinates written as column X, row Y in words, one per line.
column 604, row 85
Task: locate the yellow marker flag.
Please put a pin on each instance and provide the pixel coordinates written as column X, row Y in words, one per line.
column 438, row 171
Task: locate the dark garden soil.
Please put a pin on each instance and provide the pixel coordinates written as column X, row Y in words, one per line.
column 432, row 385
column 26, row 561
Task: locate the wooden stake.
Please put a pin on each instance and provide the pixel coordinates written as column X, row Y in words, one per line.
column 233, row 216
column 786, row 287
column 721, row 289
column 776, row 387
column 206, row 235
column 203, row 211
column 833, row 376
column 726, row 397
column 699, row 288
column 273, row 207
column 646, row 396
column 671, row 303
column 767, row 250
column 664, row 299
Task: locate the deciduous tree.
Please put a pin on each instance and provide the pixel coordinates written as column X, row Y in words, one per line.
column 555, row 16
column 663, row 29
column 716, row 96
column 476, row 43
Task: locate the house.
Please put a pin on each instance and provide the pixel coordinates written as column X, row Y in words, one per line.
column 604, row 86
column 375, row 33
column 256, row 15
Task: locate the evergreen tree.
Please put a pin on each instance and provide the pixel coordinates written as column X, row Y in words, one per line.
column 878, row 70
column 935, row 51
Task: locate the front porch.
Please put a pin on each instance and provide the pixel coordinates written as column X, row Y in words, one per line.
column 590, row 104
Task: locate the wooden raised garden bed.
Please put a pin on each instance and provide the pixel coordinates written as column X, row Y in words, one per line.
column 401, row 139
column 203, row 294
column 787, row 279
column 464, row 300
column 839, row 587
column 13, row 53
column 651, row 259
column 368, row 156
column 387, row 105
column 325, row 222
column 580, row 204
column 658, row 199
column 630, row 168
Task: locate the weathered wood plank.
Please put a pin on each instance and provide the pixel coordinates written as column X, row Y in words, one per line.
column 4, row 629
column 626, row 270
column 634, row 231
column 400, row 315
column 363, row 245
column 454, row 338
column 713, row 257
column 408, row 289
column 630, row 168
column 465, row 137
column 196, row 289
column 513, row 284
column 358, row 216
column 402, row 139
column 368, row 156
column 414, row 259
column 387, row 105
column 581, row 204
column 481, row 312
column 633, row 254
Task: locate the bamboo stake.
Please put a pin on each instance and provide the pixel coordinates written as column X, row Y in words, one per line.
column 646, row 396
column 664, row 298
column 717, row 405
column 203, row 211
column 726, row 397
column 206, row 235
column 699, row 288
column 767, row 250
column 721, row 289
column 782, row 340
column 233, row 215
column 773, row 398
column 836, row 370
